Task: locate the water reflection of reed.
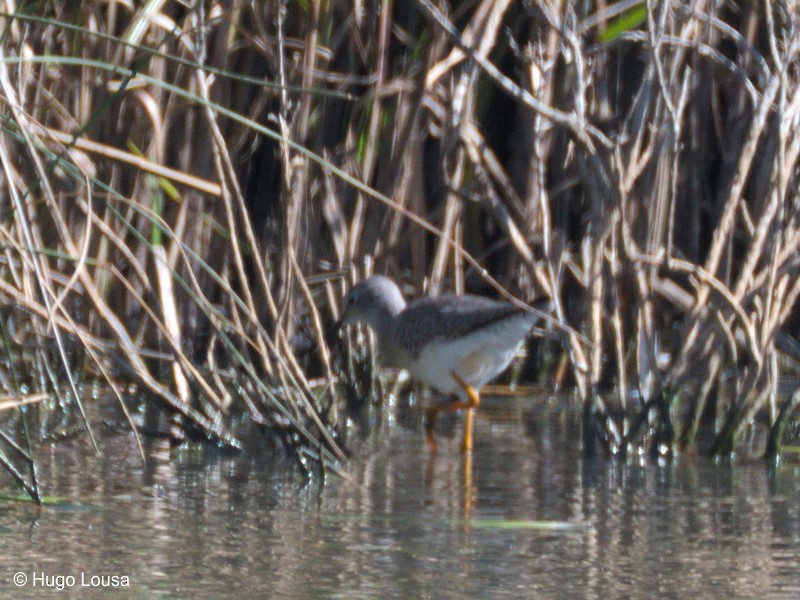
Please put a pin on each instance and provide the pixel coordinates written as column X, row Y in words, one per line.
column 185, row 207
column 205, row 525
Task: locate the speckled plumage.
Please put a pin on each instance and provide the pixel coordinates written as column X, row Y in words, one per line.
column 434, row 337
column 446, row 317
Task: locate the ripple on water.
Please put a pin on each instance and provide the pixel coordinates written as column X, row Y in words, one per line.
column 525, row 517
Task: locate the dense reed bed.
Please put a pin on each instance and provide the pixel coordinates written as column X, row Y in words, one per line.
column 188, row 189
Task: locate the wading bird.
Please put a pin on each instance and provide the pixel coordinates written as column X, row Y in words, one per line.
column 453, row 343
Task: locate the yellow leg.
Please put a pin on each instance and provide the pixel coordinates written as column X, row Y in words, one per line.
column 473, row 400
column 470, row 491
column 466, row 443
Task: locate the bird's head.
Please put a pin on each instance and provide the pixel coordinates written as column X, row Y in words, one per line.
column 372, row 301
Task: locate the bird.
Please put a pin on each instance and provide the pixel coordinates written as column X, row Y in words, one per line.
column 454, row 344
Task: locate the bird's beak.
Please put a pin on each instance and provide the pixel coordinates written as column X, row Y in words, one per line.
column 332, row 332
column 338, row 325
column 544, row 305
column 544, row 308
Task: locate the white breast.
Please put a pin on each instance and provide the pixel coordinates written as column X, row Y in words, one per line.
column 477, row 358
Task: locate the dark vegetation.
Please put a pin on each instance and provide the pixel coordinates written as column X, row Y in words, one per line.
column 187, row 188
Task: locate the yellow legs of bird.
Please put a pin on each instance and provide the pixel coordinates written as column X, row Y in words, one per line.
column 472, row 402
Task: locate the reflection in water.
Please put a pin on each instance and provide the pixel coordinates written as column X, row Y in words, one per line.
column 208, row 526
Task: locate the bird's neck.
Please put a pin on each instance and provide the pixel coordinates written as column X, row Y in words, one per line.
column 382, row 316
column 381, row 320
column 387, row 348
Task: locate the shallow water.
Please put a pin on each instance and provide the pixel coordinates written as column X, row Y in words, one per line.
column 526, row 517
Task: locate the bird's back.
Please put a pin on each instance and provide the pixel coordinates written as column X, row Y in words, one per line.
column 448, row 317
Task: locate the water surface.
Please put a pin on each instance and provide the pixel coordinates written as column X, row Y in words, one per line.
column 525, row 517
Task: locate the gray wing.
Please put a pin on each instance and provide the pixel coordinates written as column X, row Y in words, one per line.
column 446, row 317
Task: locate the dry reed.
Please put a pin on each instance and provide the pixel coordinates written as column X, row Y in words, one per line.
column 184, row 186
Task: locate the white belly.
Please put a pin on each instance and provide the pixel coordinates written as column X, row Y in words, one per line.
column 477, row 358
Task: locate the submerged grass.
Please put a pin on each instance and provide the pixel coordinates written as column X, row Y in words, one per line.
column 188, row 190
